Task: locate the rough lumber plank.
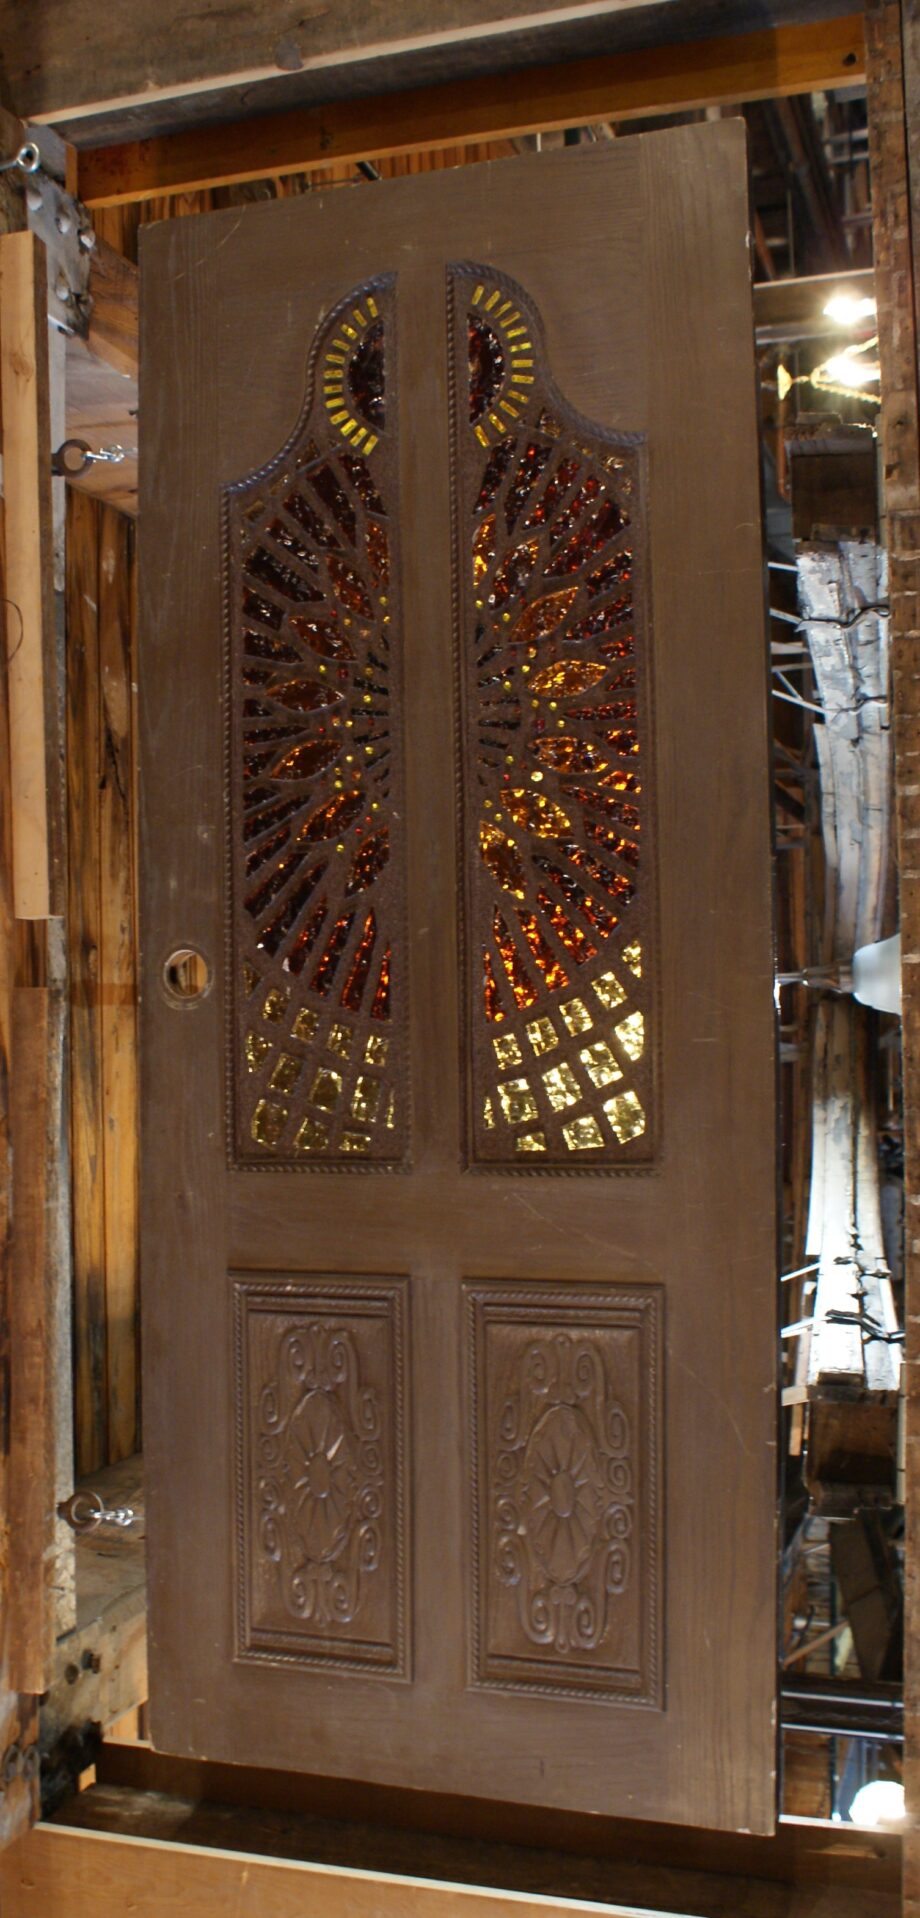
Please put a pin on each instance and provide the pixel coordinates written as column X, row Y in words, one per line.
column 113, row 320
column 118, row 983
column 87, row 1131
column 894, row 118
column 29, row 582
column 32, row 1460
column 102, row 410
column 77, row 1874
column 754, row 66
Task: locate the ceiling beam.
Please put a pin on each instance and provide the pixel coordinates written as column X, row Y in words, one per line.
column 718, row 72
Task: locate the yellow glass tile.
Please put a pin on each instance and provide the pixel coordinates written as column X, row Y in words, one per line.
column 488, row 1115
column 530, row 1142
column 600, row 1064
column 286, row 1073
column 340, row 1039
column 326, row 1088
column 581, row 1135
column 275, row 1007
column 391, row 1112
column 250, row 978
column 633, row 957
column 542, row 1035
column 517, row 1102
column 256, row 1048
column 375, row 1052
column 313, row 1136
column 507, row 1051
column 355, row 1142
column 631, row 1035
column 305, row 1024
column 562, row 1087
column 576, row 1016
column 365, row 1099
column 268, row 1123
column 626, row 1116
column 609, row 990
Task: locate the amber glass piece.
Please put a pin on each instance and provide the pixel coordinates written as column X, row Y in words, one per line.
column 286, row 1073
column 607, row 522
column 496, row 467
column 304, row 762
column 305, row 696
column 603, row 715
column 326, row 1088
column 530, row 467
column 257, row 858
column 530, row 1142
column 376, row 1049
column 366, row 1098
column 570, row 935
column 517, row 1101
column 257, row 1049
column 355, row 1142
column 250, row 978
column 502, row 859
column 349, row 587
column 333, row 817
column 567, row 754
column 307, row 517
column 514, row 572
column 306, row 1023
column 283, row 580
column 378, row 554
column 324, row 975
column 483, row 548
column 626, row 1116
column 367, row 377
column 285, row 537
column 324, row 482
column 630, row 1034
column 609, row 990
column 596, row 914
column 599, row 1063
column 268, row 1123
column 493, row 1004
column 552, row 968
column 322, row 636
column 623, row 741
column 537, row 814
column 615, row 883
column 340, row 1040
column 507, row 1051
column 312, row 1136
column 276, row 1005
column 255, row 607
column 354, row 987
column 619, row 810
column 525, row 992
column 390, row 1120
column 583, row 1134
column 621, row 781
column 260, row 646
column 381, row 1006
column 543, row 616
column 562, row 479
column 359, row 473
column 616, row 571
column 632, row 955
column 576, row 1017
column 562, row 1087
column 306, row 938
column 542, row 1035
column 487, row 368
column 488, row 1114
column 369, row 862
column 567, row 676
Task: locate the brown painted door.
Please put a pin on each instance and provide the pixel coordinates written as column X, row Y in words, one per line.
column 459, row 1195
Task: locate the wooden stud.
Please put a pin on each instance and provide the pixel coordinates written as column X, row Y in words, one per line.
column 660, row 79
column 29, row 582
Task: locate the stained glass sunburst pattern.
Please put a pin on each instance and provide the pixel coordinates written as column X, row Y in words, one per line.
column 315, row 774
column 555, row 753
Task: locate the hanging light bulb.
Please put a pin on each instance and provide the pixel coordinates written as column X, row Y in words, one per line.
column 847, row 310
column 880, row 1803
column 847, row 370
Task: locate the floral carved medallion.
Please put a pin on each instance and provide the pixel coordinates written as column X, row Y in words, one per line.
column 564, row 1393
column 321, row 1509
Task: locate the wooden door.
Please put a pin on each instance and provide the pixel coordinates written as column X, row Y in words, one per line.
column 458, row 1134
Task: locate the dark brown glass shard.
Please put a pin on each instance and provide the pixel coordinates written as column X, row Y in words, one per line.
column 491, row 995
column 324, row 482
column 607, row 523
column 534, row 458
column 324, row 975
column 306, row 939
column 510, row 581
column 367, row 377
column 359, row 474
column 378, row 553
column 369, row 862
column 496, row 467
column 350, row 587
column 283, row 580
column 356, row 983
column 307, row 517
column 322, row 636
column 306, row 761
column 487, row 368
column 381, row 1006
column 566, row 473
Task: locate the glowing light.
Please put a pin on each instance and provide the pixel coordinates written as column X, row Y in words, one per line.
column 846, row 310
column 845, row 370
column 880, row 1803
column 784, row 382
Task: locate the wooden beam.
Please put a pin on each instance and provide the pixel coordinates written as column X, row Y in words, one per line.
column 113, row 320
column 32, row 1462
column 753, row 66
column 29, row 588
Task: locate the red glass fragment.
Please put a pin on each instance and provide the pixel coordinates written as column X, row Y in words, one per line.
column 552, row 968
column 350, row 587
column 329, row 964
column 525, row 992
column 354, row 987
column 369, row 862
column 491, row 993
column 496, row 467
column 381, row 1006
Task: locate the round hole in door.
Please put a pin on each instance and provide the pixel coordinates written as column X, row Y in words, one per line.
column 186, row 975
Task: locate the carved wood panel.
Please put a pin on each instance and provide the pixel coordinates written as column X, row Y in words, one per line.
column 557, row 847
column 565, row 1420
column 322, row 1520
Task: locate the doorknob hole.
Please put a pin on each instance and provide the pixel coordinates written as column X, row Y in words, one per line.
column 186, row 974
